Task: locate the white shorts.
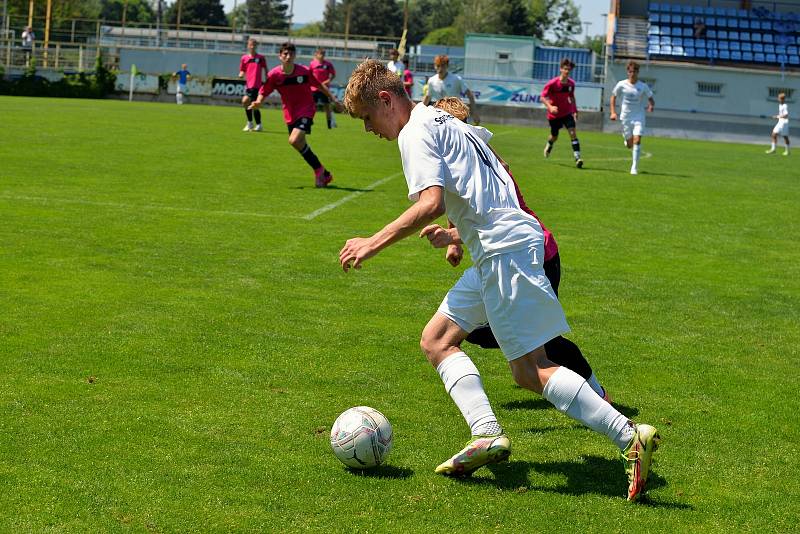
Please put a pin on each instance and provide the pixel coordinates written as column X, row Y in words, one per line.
column 180, row 88
column 631, row 128
column 511, row 293
column 782, row 128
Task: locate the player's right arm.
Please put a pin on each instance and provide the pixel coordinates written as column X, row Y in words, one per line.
column 263, row 93
column 545, row 96
column 613, row 105
column 428, row 208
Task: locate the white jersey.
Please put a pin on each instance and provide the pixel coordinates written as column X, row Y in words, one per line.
column 452, row 85
column 480, row 196
column 634, row 99
column 396, row 67
column 783, row 111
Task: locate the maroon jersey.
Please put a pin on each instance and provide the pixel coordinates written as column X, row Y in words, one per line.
column 322, row 71
column 253, row 67
column 295, row 91
column 561, row 95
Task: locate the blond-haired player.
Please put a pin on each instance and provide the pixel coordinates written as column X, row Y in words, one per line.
column 782, row 127
column 450, row 171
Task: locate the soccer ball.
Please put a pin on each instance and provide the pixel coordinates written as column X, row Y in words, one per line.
column 361, row 437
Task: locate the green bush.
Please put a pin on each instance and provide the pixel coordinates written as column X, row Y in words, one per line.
column 94, row 85
column 448, row 36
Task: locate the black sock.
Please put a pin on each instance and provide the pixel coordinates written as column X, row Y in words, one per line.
column 310, row 157
column 562, row 351
column 550, row 143
column 257, row 115
column 576, row 145
column 329, row 122
column 249, row 113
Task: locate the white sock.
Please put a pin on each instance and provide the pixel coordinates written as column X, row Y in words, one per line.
column 595, row 385
column 463, row 382
column 787, row 148
column 636, row 151
column 572, row 396
column 772, row 146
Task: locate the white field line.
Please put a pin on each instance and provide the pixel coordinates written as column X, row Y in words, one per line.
column 46, row 200
column 350, row 197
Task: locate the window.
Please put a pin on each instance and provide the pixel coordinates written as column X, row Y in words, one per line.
column 709, row 89
column 503, row 56
column 775, row 91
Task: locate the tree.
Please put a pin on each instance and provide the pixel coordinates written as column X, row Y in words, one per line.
column 312, row 29
column 367, row 17
column 270, row 14
column 556, row 21
column 448, row 36
column 137, row 10
column 198, row 12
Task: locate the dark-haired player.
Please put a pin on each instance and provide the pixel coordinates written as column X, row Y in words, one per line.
column 253, row 68
column 558, row 97
column 294, row 83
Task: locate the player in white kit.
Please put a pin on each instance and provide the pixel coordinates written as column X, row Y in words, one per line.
column 634, row 93
column 449, row 170
column 782, row 127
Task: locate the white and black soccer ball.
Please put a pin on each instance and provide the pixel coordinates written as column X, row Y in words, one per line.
column 361, row 437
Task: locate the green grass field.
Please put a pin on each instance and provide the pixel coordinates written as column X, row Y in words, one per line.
column 177, row 337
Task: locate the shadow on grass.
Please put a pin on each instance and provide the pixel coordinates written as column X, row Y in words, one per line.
column 383, row 471
column 590, row 475
column 335, row 187
column 539, row 403
column 589, row 168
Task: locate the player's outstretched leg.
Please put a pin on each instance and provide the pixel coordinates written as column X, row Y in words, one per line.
column 773, row 145
column 480, row 451
column 572, row 396
column 786, row 150
column 548, row 147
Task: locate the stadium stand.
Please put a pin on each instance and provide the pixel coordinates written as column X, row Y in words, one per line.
column 756, row 36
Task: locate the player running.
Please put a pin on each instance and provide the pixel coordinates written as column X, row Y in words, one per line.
column 294, row 83
column 782, row 127
column 253, row 68
column 632, row 115
column 558, row 97
column 451, row 171
column 560, row 350
column 324, row 72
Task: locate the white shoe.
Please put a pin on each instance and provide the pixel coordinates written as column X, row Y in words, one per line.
column 785, row 152
column 634, row 170
column 770, row 151
column 248, row 127
column 258, row 128
column 547, row 149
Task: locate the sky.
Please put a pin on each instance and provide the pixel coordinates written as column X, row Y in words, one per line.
column 311, row 10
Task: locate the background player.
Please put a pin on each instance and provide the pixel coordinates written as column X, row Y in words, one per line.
column 782, row 127
column 450, row 171
column 253, row 67
column 558, row 97
column 294, row 83
column 183, row 76
column 444, row 84
column 632, row 115
column 560, row 350
column 324, row 72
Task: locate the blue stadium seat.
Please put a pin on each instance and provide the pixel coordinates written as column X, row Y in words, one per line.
column 755, row 25
column 665, row 40
column 687, row 19
column 747, row 56
column 769, row 49
column 722, row 34
column 798, row 39
column 654, row 7
column 742, row 13
column 758, row 58
column 767, row 37
column 654, row 18
column 734, row 45
column 666, row 49
column 708, row 10
column 745, row 36
column 675, row 19
column 794, row 60
column 732, row 23
column 724, row 54
column 711, row 34
column 733, row 36
column 766, row 25
column 677, row 51
column 653, row 49
column 700, row 43
column 701, row 52
column 697, row 10
column 653, row 39
column 791, row 50
column 688, row 42
column 755, row 37
column 780, row 49
column 744, row 24
column 758, row 47
column 730, row 12
column 689, row 52
column 688, row 32
column 686, row 9
column 654, row 30
column 736, row 55
column 675, row 31
column 723, row 45
column 747, row 47
column 712, row 45
column 677, row 41
column 719, row 11
column 771, row 58
column 783, row 59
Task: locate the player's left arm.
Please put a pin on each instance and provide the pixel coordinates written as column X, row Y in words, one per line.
column 651, row 104
column 476, row 119
column 428, row 208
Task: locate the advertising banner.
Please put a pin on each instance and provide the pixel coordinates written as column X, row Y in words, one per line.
column 142, row 83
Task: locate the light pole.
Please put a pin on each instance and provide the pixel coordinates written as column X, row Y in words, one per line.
column 587, row 24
